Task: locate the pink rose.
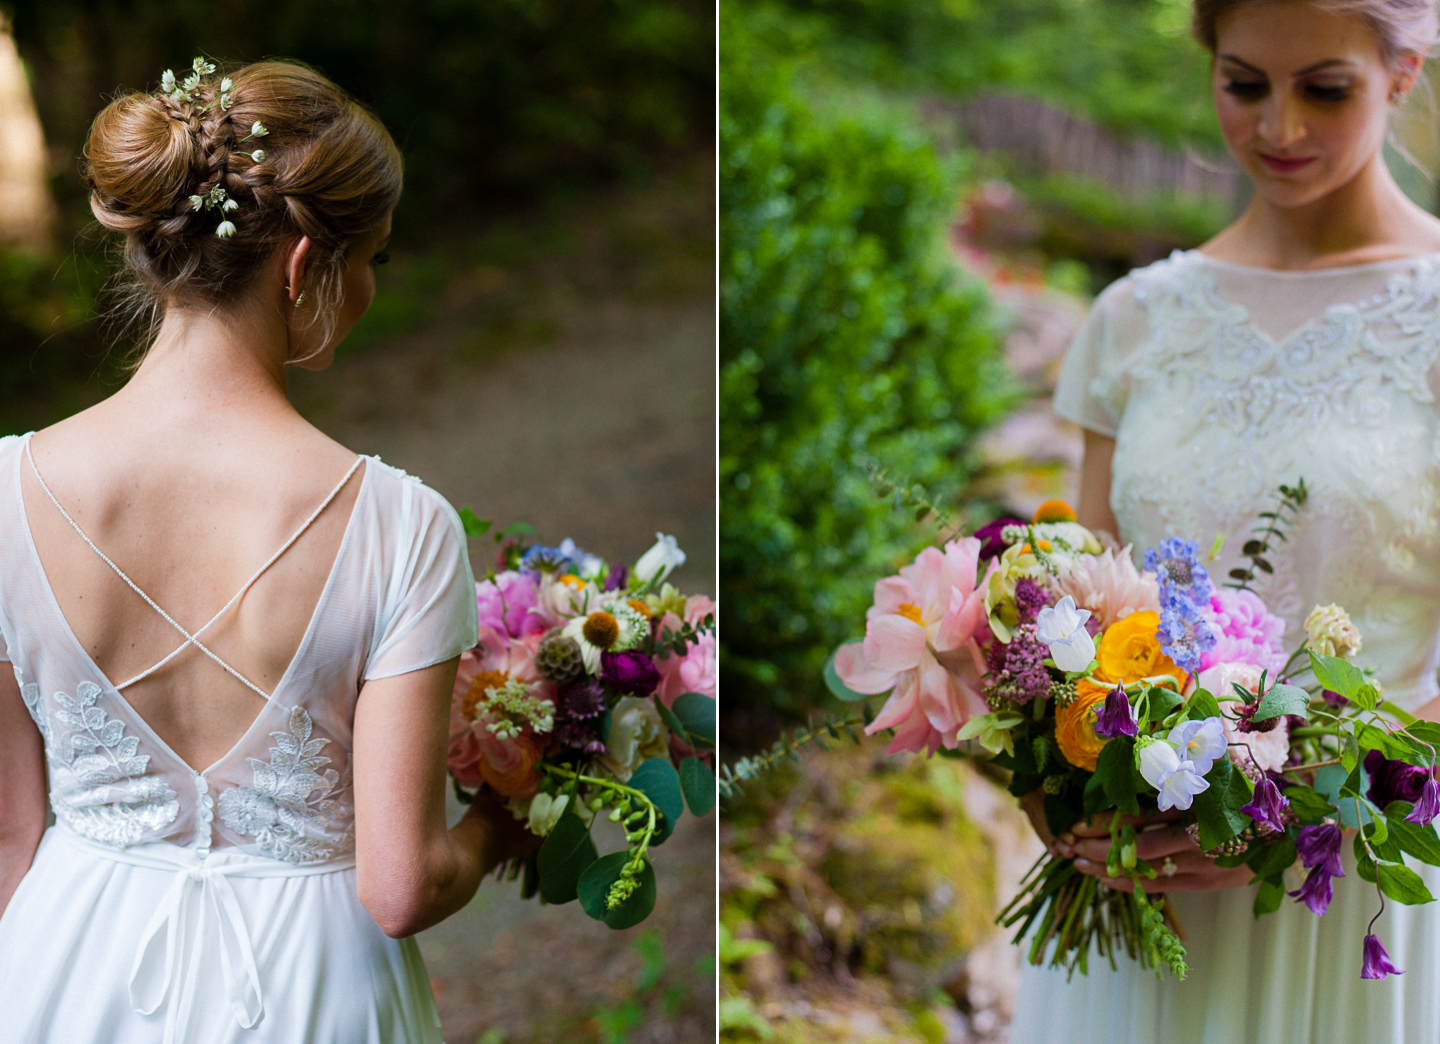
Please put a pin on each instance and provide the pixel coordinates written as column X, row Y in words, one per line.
column 1245, row 631
column 696, row 671
column 510, row 604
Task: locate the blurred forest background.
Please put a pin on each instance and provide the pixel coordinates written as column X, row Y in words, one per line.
column 919, row 199
column 541, row 348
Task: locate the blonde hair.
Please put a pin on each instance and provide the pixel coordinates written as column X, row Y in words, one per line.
column 1402, row 26
column 329, row 170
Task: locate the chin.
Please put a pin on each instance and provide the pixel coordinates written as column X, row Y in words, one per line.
column 1287, row 194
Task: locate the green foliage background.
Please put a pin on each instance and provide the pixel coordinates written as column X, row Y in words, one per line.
column 847, row 338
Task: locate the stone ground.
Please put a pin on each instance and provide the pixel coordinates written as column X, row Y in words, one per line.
column 572, row 389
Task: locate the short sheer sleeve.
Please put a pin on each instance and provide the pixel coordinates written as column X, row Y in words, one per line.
column 1094, row 386
column 429, row 614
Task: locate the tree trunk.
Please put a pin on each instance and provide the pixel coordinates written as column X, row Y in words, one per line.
column 27, row 212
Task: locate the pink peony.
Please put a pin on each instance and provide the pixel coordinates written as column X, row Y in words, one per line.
column 696, row 671
column 476, row 754
column 510, row 605
column 1245, row 631
column 920, row 642
column 1109, row 585
column 1269, row 749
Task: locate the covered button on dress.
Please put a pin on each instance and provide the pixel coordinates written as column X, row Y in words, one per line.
column 175, row 904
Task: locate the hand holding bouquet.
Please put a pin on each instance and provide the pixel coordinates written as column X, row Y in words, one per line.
column 1119, row 692
column 591, row 690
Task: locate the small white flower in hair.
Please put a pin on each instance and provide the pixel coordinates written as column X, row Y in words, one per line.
column 226, row 229
column 258, row 155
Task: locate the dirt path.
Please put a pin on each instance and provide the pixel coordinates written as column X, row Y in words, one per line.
column 604, row 433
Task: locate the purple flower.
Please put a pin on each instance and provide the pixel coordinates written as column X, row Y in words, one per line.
column 1024, row 677
column 992, row 542
column 1176, row 564
column 1376, row 963
column 1117, row 717
column 1319, row 846
column 1316, row 892
column 1266, row 806
column 1428, row 807
column 1393, row 780
column 1333, row 699
column 630, row 672
column 616, row 580
column 1184, row 635
column 1030, row 598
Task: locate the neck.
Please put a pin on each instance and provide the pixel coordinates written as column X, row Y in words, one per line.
column 1367, row 215
column 207, row 363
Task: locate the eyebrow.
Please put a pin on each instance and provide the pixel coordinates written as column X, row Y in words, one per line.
column 1326, row 64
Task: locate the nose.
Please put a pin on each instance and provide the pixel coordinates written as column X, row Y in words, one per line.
column 1282, row 123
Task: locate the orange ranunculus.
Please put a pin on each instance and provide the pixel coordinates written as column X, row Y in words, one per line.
column 1129, row 651
column 1075, row 725
column 509, row 767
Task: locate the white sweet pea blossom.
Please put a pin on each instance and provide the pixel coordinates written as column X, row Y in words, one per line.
column 657, row 563
column 1062, row 628
column 1200, row 743
column 545, row 812
column 1176, row 780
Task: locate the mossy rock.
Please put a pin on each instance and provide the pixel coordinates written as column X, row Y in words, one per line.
column 916, row 871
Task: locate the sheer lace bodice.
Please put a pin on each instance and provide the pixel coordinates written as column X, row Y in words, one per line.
column 1219, row 381
column 395, row 601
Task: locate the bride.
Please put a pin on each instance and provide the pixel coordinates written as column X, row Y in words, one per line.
column 233, row 640
column 1301, row 341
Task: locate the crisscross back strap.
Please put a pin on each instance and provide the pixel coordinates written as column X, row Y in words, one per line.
column 191, row 639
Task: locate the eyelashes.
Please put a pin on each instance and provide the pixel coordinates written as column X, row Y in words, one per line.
column 1254, row 90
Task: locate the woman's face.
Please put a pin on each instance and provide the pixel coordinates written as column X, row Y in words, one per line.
column 358, row 289
column 1302, row 95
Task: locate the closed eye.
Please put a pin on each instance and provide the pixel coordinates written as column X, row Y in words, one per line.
column 1326, row 92
column 382, row 258
column 1249, row 90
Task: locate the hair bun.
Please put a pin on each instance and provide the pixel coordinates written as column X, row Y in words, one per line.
column 140, row 163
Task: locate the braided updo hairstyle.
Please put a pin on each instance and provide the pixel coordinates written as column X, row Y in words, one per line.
column 329, row 170
column 1402, row 26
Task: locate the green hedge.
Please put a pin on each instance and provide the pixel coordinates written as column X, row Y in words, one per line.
column 846, row 338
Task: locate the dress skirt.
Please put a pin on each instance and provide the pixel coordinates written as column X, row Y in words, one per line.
column 1288, row 978
column 149, row 944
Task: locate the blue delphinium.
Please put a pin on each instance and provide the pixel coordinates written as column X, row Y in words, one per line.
column 1185, row 591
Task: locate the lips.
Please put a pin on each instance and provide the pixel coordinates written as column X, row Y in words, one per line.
column 1285, row 164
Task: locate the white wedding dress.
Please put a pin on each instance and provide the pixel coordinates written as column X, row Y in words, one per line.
column 173, row 905
column 1218, row 383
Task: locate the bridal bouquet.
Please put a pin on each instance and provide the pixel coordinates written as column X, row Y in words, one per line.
column 1119, row 691
column 591, row 690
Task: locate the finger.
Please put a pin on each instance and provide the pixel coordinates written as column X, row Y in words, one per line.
column 1158, row 845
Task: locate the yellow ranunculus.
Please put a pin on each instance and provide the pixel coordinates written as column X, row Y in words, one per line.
column 1075, row 725
column 1130, row 651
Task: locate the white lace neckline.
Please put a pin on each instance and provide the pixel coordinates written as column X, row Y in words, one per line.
column 107, row 686
column 1300, row 273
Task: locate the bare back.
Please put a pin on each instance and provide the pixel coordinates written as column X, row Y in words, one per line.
column 189, row 502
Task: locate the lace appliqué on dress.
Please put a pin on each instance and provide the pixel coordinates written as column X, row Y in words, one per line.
column 1344, row 365
column 287, row 808
column 98, row 784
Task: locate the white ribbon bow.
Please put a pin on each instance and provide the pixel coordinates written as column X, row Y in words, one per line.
column 168, row 961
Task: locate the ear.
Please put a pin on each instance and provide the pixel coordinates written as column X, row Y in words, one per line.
column 1407, row 72
column 295, row 267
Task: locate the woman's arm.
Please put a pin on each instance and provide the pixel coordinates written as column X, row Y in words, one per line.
column 1093, row 511
column 411, row 871
column 23, row 804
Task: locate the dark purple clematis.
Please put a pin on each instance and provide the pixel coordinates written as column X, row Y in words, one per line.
column 992, row 543
column 1316, row 892
column 1394, row 780
column 1428, row 807
column 1376, row 962
column 1319, row 846
column 1333, row 699
column 1117, row 717
column 1267, row 806
column 616, row 580
column 631, row 672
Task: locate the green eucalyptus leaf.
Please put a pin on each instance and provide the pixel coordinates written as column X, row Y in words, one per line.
column 838, row 688
column 657, row 779
column 698, row 783
column 563, row 857
column 696, row 712
column 595, row 885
